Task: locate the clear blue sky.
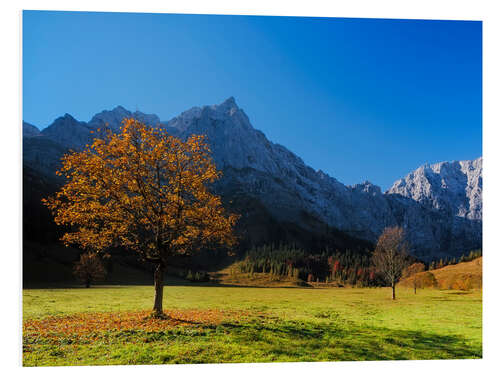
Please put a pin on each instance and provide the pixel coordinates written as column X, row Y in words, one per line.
column 360, row 99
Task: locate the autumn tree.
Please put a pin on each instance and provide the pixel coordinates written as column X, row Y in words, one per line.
column 143, row 190
column 390, row 255
column 89, row 268
column 411, row 272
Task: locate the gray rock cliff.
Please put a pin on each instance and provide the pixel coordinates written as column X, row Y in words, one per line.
column 455, row 187
column 440, row 206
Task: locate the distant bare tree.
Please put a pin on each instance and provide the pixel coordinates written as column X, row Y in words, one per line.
column 411, row 271
column 390, row 257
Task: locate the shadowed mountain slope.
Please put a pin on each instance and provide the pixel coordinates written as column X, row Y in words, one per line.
column 438, row 206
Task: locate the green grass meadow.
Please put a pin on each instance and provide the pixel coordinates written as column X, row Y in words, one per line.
column 259, row 325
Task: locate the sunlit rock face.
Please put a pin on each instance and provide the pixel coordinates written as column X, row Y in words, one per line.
column 455, row 187
column 440, row 206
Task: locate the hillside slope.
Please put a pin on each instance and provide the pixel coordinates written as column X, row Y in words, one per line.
column 465, row 275
column 461, row 276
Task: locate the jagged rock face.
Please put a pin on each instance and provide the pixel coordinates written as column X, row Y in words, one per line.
column 235, row 143
column 454, row 187
column 113, row 119
column 438, row 206
column 68, row 132
column 43, row 150
column 254, row 165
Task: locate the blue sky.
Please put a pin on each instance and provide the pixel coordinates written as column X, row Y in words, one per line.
column 360, row 99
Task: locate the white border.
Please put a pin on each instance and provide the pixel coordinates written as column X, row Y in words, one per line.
column 424, row 9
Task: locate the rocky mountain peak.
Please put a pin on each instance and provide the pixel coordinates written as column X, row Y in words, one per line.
column 67, row 118
column 228, row 106
column 68, row 131
column 455, row 187
column 233, row 139
column 229, row 102
column 439, row 205
column 367, row 187
column 112, row 118
column 149, row 119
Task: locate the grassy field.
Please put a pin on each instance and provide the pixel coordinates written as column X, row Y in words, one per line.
column 108, row 325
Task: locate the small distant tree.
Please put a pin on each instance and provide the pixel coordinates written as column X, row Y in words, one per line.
column 89, row 268
column 427, row 280
column 390, row 255
column 411, row 271
column 371, row 277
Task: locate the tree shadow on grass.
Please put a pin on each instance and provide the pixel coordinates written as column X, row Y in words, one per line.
column 331, row 342
column 460, row 293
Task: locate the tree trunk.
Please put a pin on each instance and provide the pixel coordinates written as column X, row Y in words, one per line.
column 87, row 283
column 158, row 306
column 393, row 290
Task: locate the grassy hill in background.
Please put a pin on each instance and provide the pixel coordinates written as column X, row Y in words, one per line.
column 461, row 276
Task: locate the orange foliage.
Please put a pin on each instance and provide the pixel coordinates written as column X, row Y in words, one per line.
column 413, row 269
column 93, row 322
column 88, row 326
column 461, row 282
column 144, row 190
column 412, row 272
column 461, row 276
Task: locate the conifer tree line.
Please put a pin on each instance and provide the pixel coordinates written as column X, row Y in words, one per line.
column 330, row 265
column 344, row 267
column 473, row 254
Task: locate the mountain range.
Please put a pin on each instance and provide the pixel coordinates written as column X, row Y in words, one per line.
column 438, row 205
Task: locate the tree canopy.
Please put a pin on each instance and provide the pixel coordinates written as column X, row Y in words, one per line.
column 144, row 190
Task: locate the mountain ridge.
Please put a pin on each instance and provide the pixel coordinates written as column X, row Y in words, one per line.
column 256, row 167
column 462, row 181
